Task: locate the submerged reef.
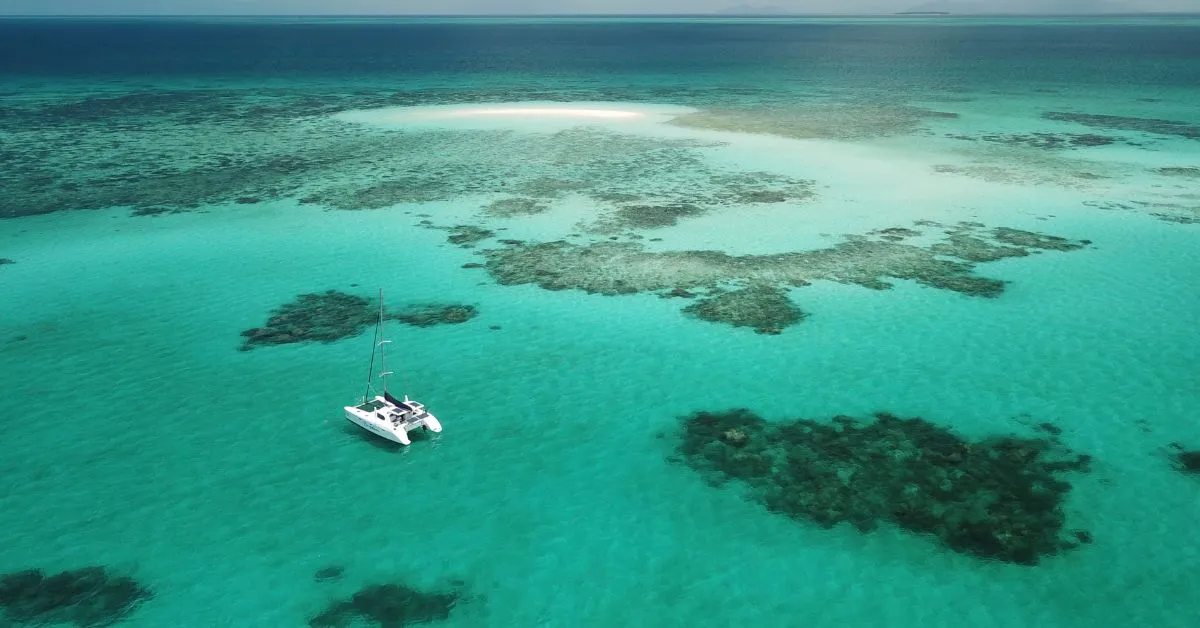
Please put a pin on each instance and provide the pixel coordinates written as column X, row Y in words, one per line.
column 515, row 206
column 1181, row 209
column 329, row 573
column 467, row 236
column 667, row 206
column 815, row 120
column 1189, row 461
column 757, row 299
column 4, row 261
column 242, row 147
column 999, row 499
column 326, row 317
column 765, row 308
column 388, row 606
column 1186, row 460
column 87, row 597
column 334, row 315
column 1185, row 172
column 1045, row 141
column 1125, row 123
column 428, row 315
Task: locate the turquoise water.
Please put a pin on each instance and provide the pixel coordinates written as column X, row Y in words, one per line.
column 155, row 206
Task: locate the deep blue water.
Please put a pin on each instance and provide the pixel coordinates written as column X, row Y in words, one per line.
column 866, row 53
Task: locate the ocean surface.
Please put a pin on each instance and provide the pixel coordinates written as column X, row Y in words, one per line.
column 989, row 224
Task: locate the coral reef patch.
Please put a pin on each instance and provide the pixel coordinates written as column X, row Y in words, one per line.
column 87, row 597
column 765, row 308
column 998, row 499
column 467, row 236
column 1182, row 209
column 1186, row 460
column 325, row 317
column 4, row 261
column 388, row 606
column 1045, row 141
column 613, row 268
column 815, row 120
column 329, row 573
column 428, row 315
column 1186, row 172
column 333, row 315
column 1126, row 123
column 515, row 206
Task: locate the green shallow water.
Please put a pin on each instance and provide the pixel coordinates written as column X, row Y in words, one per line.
column 137, row 436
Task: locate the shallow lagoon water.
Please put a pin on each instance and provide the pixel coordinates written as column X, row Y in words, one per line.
column 154, row 216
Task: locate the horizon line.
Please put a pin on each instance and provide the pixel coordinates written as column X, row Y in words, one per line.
column 901, row 14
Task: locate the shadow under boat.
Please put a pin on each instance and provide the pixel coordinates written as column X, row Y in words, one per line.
column 381, row 443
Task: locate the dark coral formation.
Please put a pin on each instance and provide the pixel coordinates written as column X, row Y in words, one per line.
column 515, row 206
column 1000, row 498
column 1186, row 460
column 1186, row 211
column 5, row 261
column 87, row 597
column 614, row 268
column 1045, row 141
column 895, row 234
column 765, row 308
column 653, row 216
column 1031, row 240
column 1186, row 172
column 330, row 573
column 1125, row 123
column 1189, row 461
column 467, row 236
column 334, row 315
column 389, row 606
column 700, row 195
column 326, row 317
column 428, row 315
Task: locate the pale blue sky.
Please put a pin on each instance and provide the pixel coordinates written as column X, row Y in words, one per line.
column 77, row 7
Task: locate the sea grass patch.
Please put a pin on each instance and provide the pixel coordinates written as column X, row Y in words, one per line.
column 334, row 315
column 87, row 597
column 997, row 499
column 390, row 605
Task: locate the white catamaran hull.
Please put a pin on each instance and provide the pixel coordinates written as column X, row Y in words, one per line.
column 382, row 422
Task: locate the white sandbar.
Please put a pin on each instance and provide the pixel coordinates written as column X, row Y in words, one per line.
column 525, row 116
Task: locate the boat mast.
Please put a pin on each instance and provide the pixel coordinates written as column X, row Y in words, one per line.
column 371, row 373
column 383, row 372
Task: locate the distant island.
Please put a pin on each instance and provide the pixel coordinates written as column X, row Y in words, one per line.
column 922, row 13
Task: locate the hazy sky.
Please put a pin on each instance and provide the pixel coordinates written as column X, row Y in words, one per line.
column 78, row 7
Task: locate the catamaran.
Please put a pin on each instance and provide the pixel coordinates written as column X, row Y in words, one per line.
column 385, row 415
